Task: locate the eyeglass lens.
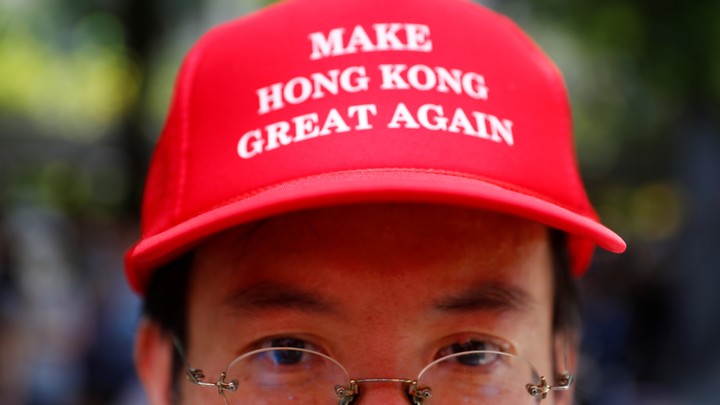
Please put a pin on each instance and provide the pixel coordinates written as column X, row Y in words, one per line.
column 285, row 375
column 479, row 378
column 289, row 375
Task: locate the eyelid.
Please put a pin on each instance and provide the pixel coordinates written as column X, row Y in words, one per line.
column 497, row 343
column 310, row 342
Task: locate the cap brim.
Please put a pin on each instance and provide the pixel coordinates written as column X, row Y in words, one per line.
column 368, row 186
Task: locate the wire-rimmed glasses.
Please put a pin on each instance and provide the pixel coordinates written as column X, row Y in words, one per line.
column 278, row 375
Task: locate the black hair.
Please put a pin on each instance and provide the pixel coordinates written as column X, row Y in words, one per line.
column 166, row 304
column 566, row 300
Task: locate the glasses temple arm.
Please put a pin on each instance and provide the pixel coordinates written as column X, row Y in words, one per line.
column 193, row 374
column 565, row 381
column 196, row 375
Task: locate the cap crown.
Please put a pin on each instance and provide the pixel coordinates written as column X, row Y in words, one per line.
column 318, row 102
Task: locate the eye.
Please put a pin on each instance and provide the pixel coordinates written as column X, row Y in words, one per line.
column 286, row 357
column 287, row 342
column 479, row 352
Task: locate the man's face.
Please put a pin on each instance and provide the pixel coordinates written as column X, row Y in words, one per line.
column 383, row 289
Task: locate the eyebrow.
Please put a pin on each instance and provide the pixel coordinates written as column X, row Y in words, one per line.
column 486, row 295
column 268, row 296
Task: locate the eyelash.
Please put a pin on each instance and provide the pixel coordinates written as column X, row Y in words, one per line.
column 299, row 342
column 470, row 345
column 285, row 342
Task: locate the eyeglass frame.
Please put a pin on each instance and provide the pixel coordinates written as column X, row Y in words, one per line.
column 346, row 395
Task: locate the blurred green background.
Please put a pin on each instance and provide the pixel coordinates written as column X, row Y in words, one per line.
column 85, row 85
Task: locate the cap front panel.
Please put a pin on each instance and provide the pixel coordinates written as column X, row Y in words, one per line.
column 337, row 89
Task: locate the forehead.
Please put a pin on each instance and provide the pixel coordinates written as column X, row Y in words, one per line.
column 392, row 279
column 389, row 241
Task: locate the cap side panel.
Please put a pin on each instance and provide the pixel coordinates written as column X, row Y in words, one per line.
column 558, row 97
column 186, row 119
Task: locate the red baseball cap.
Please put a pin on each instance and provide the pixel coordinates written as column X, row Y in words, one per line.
column 312, row 103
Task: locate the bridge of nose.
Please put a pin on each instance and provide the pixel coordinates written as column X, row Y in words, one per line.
column 373, row 392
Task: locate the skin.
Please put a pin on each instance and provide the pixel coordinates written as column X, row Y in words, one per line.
column 384, row 289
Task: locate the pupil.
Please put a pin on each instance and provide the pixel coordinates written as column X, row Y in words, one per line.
column 474, row 359
column 287, row 357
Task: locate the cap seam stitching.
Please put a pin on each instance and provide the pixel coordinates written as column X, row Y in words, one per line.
column 187, row 80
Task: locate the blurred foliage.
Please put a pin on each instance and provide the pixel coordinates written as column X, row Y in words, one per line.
column 75, row 85
column 638, row 72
